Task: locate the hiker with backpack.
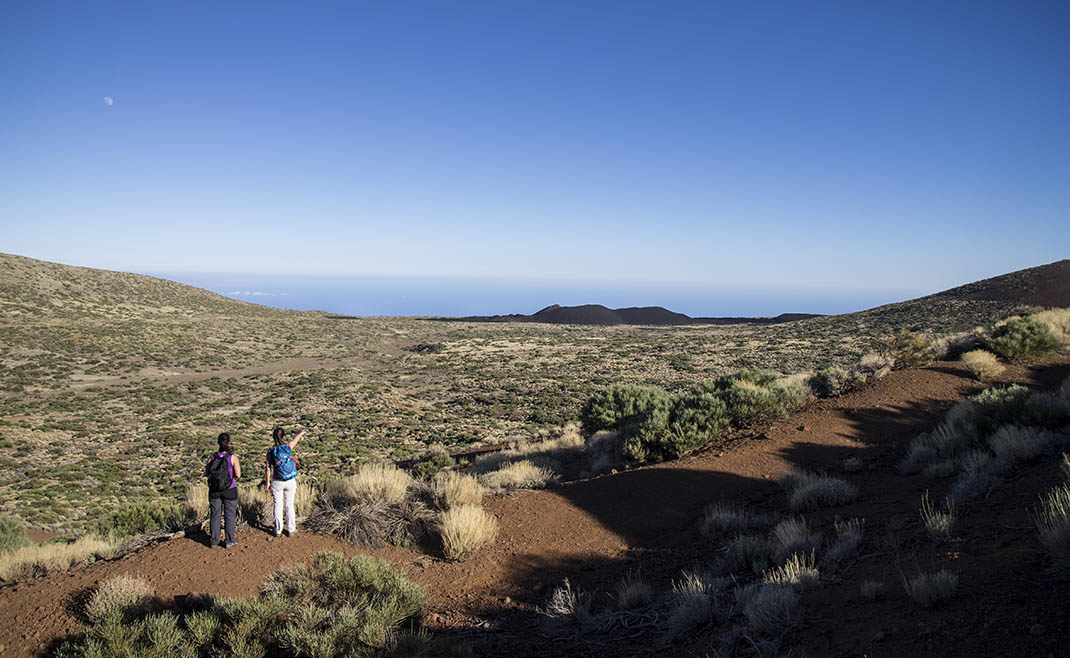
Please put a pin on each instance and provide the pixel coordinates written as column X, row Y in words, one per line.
column 281, row 478
column 223, row 471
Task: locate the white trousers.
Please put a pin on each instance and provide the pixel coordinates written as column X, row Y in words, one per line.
column 282, row 494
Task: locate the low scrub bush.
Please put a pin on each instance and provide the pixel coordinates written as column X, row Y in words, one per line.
column 938, row 523
column 747, row 553
column 633, row 592
column 373, row 522
column 1013, row 444
column 995, row 407
column 848, row 539
column 142, row 518
column 1058, row 320
column 567, row 603
column 769, row 610
column 382, row 482
column 332, row 606
column 12, row 534
column 930, row 589
column 1023, row 338
column 909, row 350
column 755, row 396
column 690, row 608
column 517, row 475
column 465, row 529
column 37, row 560
column 810, row 492
column 119, row 595
column 618, row 406
column 831, row 382
column 724, row 518
column 791, row 536
column 1052, row 520
column 452, row 488
column 983, row 365
column 799, row 571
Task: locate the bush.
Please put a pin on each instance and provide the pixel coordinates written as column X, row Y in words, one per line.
column 799, row 571
column 1052, row 521
column 432, row 465
column 12, row 534
column 831, row 382
column 616, row 407
column 118, row 595
column 698, row 417
column 996, row 407
column 142, row 518
column 37, row 560
column 929, row 589
column 810, row 492
column 382, row 482
column 517, row 475
column 1022, row 338
column 792, row 536
column 452, row 489
column 768, row 609
column 983, row 365
column 723, row 518
column 633, row 592
column 466, row 529
column 747, row 553
column 910, row 350
column 754, row 396
column 938, row 522
column 371, row 523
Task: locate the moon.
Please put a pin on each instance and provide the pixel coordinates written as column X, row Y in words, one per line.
column 108, row 100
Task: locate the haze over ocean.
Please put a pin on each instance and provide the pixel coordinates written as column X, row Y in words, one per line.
column 423, row 296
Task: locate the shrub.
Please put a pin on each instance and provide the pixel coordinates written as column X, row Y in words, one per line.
column 747, row 553
column 616, row 407
column 929, row 589
column 452, row 489
column 1022, row 338
column 633, row 592
column 810, row 492
column 432, row 465
column 568, row 603
column 36, row 560
column 1052, row 521
column 697, row 417
column 1058, row 321
column 383, row 482
column 910, row 350
column 831, row 382
column 722, row 518
column 12, row 534
column 1050, row 410
column 371, row 523
column 1013, row 444
column 994, row 407
column 691, row 607
column 118, row 595
column 466, row 529
column 983, row 365
column 792, row 535
column 517, row 475
column 768, row 609
column 141, row 518
column 938, row 522
column 754, row 396
column 848, row 538
column 873, row 365
column 853, row 465
column 799, row 571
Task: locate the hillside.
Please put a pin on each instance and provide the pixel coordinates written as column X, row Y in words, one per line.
column 650, row 316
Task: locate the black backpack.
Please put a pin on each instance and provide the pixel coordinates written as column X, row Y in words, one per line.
column 218, row 472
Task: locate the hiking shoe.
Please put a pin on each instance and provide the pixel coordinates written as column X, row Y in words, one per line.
column 213, row 544
column 230, row 544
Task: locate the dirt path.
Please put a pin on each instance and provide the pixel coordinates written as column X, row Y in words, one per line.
column 595, row 531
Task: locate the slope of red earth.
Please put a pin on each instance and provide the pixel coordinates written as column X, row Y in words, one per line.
column 595, row 531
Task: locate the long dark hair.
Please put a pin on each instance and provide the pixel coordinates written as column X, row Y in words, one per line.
column 224, row 442
column 277, row 434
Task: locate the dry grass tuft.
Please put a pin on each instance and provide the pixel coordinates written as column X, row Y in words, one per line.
column 983, row 365
column 371, row 523
column 452, row 489
column 811, row 492
column 466, row 529
column 197, row 501
column 382, row 482
column 724, row 518
column 1013, row 444
column 929, row 589
column 938, row 522
column 747, row 553
column 118, row 594
column 517, row 475
column 768, row 609
column 37, row 560
column 566, row 602
column 792, row 535
column 799, row 571
column 1058, row 320
column 1052, row 521
column 848, row 539
column 633, row 592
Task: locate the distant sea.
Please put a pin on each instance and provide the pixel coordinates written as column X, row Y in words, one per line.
column 453, row 297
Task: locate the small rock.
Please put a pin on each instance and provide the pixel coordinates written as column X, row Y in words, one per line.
column 1038, row 629
column 507, row 600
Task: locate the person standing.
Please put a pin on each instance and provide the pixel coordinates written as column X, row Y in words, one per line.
column 223, row 471
column 280, row 476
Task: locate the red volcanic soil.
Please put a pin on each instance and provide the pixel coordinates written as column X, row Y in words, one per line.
column 647, row 519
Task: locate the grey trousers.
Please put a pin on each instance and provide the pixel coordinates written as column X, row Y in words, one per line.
column 229, row 509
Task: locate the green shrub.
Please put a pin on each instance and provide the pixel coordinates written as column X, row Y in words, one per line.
column 995, row 407
column 616, row 407
column 1021, row 338
column 333, row 606
column 429, row 467
column 755, row 396
column 910, row 350
column 831, row 382
column 12, row 534
column 141, row 518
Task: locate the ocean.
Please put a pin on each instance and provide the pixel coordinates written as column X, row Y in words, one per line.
column 454, row 297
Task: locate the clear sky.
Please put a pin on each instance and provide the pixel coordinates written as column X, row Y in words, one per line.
column 831, row 145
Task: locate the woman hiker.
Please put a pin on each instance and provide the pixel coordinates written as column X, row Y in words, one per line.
column 280, row 477
column 223, row 471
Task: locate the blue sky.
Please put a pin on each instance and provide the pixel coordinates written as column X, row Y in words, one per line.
column 906, row 146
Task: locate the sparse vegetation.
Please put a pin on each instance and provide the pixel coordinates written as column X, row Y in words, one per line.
column 372, row 482
column 1052, row 521
column 791, row 536
column 810, row 491
column 452, row 489
column 37, row 560
column 633, row 592
column 12, row 535
column 724, row 518
column 1022, row 338
column 930, row 589
column 938, row 522
column 118, row 595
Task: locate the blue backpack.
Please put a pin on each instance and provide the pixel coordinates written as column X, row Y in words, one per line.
column 283, row 462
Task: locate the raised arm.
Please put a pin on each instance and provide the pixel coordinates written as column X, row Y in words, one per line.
column 297, row 438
